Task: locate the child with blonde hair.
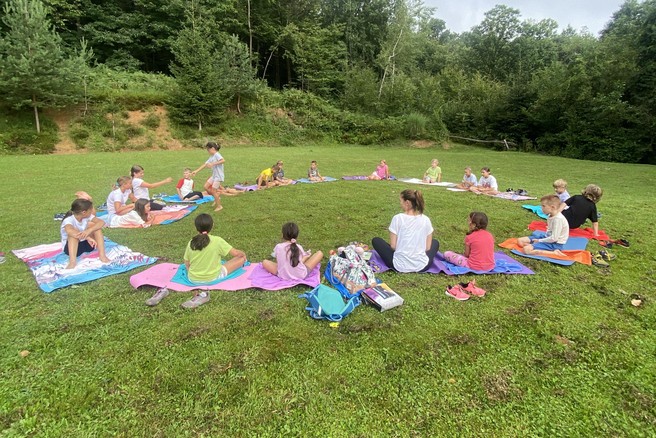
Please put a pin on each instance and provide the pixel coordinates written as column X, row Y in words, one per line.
column 560, row 187
column 433, row 173
column 551, row 242
column 579, row 208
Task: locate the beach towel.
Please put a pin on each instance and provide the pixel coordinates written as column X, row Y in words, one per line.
column 421, row 181
column 504, row 264
column 537, row 209
column 587, row 233
column 47, row 263
column 246, row 188
column 363, row 178
column 325, row 179
column 254, row 276
column 168, row 215
column 175, row 199
column 574, row 251
column 512, row 196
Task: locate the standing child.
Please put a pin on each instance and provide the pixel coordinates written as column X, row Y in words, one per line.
column 81, row 232
column 202, row 258
column 468, row 179
column 215, row 163
column 118, row 198
column 487, row 184
column 185, row 187
column 381, row 172
column 560, row 187
column 313, row 172
column 551, row 242
column 140, row 187
column 434, row 173
column 292, row 262
column 479, row 246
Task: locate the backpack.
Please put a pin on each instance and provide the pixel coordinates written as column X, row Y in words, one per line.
column 349, row 272
column 328, row 303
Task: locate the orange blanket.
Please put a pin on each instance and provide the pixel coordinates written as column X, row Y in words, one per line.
column 581, row 256
column 588, row 233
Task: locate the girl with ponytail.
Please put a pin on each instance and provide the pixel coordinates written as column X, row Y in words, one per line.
column 292, row 261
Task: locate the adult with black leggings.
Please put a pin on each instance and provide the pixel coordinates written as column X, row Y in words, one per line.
column 412, row 247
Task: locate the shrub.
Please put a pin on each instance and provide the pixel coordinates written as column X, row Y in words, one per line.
column 415, row 126
column 152, row 121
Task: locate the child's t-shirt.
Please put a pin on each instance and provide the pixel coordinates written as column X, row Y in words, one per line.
column 128, row 220
column 469, row 179
column 139, row 191
column 186, row 186
column 382, row 171
column 481, row 250
column 434, row 173
column 557, row 230
column 217, row 171
column 313, row 173
column 489, row 182
column 580, row 209
column 285, row 269
column 205, row 265
column 78, row 225
column 563, row 196
column 116, row 196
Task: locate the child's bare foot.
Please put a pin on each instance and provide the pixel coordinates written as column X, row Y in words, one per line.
column 104, row 259
column 559, row 253
column 70, row 266
column 219, row 208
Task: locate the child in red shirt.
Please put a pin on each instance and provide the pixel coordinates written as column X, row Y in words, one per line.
column 479, row 246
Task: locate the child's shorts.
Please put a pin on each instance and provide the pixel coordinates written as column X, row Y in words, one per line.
column 215, row 183
column 545, row 246
column 223, row 273
column 82, row 247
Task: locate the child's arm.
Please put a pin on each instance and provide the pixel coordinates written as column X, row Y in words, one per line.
column 204, row 165
column 595, row 228
column 467, row 250
column 439, row 179
column 122, row 209
column 157, row 184
column 234, row 252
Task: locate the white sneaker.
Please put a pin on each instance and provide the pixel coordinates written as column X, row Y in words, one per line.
column 159, row 296
column 196, row 301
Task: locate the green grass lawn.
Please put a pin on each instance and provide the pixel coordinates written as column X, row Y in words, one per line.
column 560, row 353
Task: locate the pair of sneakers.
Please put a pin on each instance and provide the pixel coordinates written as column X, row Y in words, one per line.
column 601, row 258
column 196, row 301
column 461, row 291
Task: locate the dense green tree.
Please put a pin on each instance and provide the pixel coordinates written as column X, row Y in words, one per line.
column 35, row 71
column 235, row 71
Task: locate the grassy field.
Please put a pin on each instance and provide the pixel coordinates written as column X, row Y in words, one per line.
column 560, row 353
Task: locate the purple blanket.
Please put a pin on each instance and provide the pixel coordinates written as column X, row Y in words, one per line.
column 256, row 276
column 363, row 177
column 504, row 265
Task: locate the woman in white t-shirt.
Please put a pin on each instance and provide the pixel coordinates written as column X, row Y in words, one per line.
column 412, row 247
column 140, row 187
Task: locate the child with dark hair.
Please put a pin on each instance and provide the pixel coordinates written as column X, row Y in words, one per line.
column 479, row 246
column 583, row 207
column 487, row 184
column 551, row 242
column 117, row 200
column 81, row 232
column 139, row 216
column 313, row 172
column 215, row 163
column 203, row 261
column 292, row 261
column 412, row 247
column 140, row 187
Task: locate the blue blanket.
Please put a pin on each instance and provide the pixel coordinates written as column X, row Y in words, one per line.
column 175, row 199
column 325, row 179
column 537, row 209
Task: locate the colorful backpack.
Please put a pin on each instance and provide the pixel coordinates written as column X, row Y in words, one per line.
column 328, row 303
column 349, row 272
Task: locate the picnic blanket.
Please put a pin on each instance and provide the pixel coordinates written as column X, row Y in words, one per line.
column 504, row 264
column 574, row 251
column 587, row 232
column 175, row 199
column 325, row 179
column 252, row 276
column 421, row 181
column 455, row 189
column 512, row 196
column 537, row 209
column 363, row 178
column 47, row 263
column 168, row 215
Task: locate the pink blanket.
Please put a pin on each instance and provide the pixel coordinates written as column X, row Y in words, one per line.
column 255, row 277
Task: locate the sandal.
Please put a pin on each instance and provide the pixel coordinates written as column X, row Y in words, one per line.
column 621, row 242
column 605, row 243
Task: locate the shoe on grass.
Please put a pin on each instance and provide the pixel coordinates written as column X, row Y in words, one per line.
column 157, row 297
column 599, row 261
column 607, row 255
column 621, row 242
column 472, row 288
column 456, row 292
column 196, row 301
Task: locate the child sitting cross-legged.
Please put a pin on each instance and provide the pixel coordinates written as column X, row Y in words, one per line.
column 551, row 242
column 292, row 262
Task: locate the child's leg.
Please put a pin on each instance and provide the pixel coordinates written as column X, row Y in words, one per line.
column 100, row 245
column 234, row 263
column 523, row 241
column 217, row 197
column 270, row 267
column 456, row 259
column 71, row 246
column 312, row 261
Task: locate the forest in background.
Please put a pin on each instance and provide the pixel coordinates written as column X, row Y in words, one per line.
column 361, row 71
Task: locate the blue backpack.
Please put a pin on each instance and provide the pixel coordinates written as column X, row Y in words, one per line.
column 327, row 303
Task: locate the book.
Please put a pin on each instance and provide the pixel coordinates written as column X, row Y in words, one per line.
column 382, row 297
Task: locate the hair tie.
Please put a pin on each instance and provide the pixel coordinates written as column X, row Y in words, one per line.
column 203, row 232
column 293, row 241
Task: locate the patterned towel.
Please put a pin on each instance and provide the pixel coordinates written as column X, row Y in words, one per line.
column 47, row 263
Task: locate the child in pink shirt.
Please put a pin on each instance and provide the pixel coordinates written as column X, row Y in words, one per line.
column 479, row 246
column 292, row 262
column 382, row 172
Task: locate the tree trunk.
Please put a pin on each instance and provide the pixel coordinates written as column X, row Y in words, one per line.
column 36, row 115
column 200, row 124
column 238, row 103
column 250, row 32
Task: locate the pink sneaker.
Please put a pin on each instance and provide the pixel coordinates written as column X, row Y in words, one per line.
column 456, row 292
column 473, row 289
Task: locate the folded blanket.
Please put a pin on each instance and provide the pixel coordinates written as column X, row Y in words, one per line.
column 175, row 199
column 47, row 263
column 587, row 233
column 362, row 178
column 574, row 251
column 512, row 197
column 325, row 179
column 537, row 209
column 503, row 265
column 254, row 276
column 421, row 181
